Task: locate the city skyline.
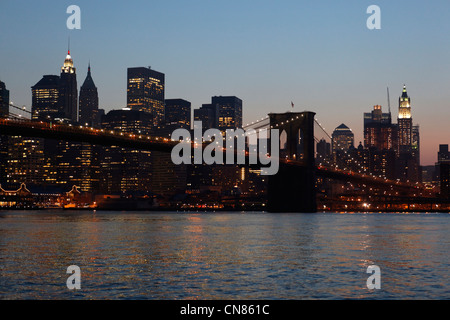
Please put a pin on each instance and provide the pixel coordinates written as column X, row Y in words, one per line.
column 206, row 64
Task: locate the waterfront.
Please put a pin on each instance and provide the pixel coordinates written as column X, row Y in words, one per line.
column 161, row 255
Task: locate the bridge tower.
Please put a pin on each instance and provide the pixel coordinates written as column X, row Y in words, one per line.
column 292, row 189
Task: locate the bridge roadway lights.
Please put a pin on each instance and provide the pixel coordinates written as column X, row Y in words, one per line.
column 293, row 189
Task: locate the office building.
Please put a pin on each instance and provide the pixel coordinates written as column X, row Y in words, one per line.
column 4, row 100
column 178, row 111
column 229, row 112
column 145, row 92
column 443, row 153
column 68, row 91
column 443, row 156
column 342, row 138
column 89, row 113
column 444, row 181
column 45, row 103
column 4, row 112
column 208, row 115
column 323, row 149
column 123, row 169
column 379, row 132
column 222, row 113
column 408, row 160
column 405, row 123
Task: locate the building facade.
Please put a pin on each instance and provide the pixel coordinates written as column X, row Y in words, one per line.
column 45, row 104
column 178, row 111
column 89, row 113
column 379, row 132
column 4, row 100
column 342, row 138
column 145, row 92
column 69, row 91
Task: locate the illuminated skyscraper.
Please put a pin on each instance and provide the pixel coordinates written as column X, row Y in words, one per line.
column 89, row 102
column 379, row 132
column 69, row 90
column 342, row 138
column 229, row 112
column 45, row 103
column 145, row 92
column 405, row 122
column 126, row 170
column 408, row 162
column 25, row 161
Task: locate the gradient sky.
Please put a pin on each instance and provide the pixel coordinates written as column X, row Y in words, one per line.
column 318, row 54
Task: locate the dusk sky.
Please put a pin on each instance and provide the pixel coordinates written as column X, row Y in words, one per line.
column 318, row 54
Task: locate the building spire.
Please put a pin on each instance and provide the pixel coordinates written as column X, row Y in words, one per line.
column 68, row 46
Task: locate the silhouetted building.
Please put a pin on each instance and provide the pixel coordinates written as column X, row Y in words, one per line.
column 428, row 174
column 445, row 179
column 443, row 153
column 4, row 100
column 178, row 111
column 89, row 113
column 45, row 103
column 4, row 112
column 145, row 92
column 208, row 115
column 323, row 150
column 223, row 113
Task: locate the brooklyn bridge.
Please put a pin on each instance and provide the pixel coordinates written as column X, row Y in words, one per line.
column 293, row 189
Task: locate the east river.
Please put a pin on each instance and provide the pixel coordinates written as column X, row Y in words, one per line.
column 223, row 255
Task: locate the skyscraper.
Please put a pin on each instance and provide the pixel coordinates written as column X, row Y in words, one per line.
column 207, row 114
column 230, row 112
column 89, row 102
column 443, row 153
column 342, row 138
column 178, row 111
column 69, row 90
column 45, row 103
column 4, row 100
column 123, row 169
column 405, row 122
column 222, row 113
column 379, row 132
column 145, row 92
column 408, row 162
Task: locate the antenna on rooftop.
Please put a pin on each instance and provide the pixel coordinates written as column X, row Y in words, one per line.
column 389, row 100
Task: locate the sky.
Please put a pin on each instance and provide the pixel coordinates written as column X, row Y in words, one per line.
column 318, row 54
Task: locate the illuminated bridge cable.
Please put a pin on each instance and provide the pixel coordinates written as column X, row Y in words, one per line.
column 21, row 109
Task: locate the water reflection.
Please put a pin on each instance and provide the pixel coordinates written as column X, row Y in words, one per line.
column 137, row 255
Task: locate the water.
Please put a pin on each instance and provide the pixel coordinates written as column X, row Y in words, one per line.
column 139, row 255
